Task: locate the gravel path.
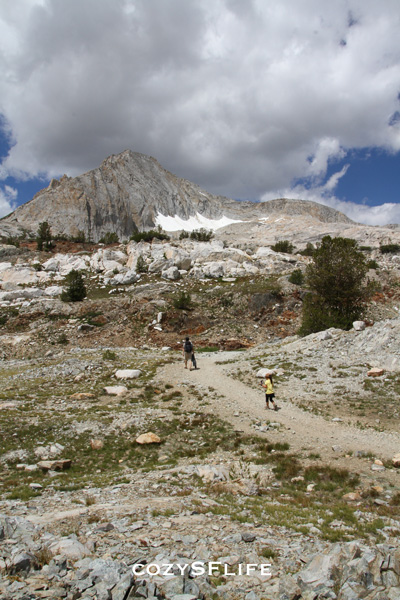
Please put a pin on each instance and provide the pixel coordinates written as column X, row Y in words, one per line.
column 306, row 433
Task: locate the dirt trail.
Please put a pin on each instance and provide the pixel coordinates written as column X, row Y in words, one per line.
column 306, row 433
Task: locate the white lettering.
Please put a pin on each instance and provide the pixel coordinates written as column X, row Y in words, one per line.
column 265, row 570
column 226, row 567
column 168, row 570
column 198, row 568
column 182, row 568
column 250, row 568
column 240, row 569
column 213, row 566
column 135, row 569
column 153, row 569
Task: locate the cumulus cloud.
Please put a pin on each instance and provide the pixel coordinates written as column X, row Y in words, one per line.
column 240, row 97
column 8, row 197
column 325, row 194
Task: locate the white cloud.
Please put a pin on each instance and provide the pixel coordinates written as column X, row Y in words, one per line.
column 240, row 97
column 8, row 197
column 324, row 194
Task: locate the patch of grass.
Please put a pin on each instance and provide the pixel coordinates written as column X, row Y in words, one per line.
column 207, row 349
column 109, row 355
column 268, row 553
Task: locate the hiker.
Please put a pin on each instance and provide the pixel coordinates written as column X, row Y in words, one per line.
column 187, row 351
column 269, row 391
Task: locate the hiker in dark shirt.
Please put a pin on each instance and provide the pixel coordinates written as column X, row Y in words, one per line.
column 187, row 351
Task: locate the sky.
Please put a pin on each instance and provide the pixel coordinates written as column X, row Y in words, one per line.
column 250, row 99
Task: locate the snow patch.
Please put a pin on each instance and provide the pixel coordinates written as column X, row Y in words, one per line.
column 176, row 223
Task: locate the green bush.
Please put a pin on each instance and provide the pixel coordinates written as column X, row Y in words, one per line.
column 109, row 355
column 372, row 264
column 109, row 238
column 44, row 237
column 183, row 235
column 308, row 250
column 141, row 265
column 183, row 301
column 149, row 236
column 62, row 339
column 297, row 277
column 79, row 238
column 389, row 248
column 201, row 235
column 338, row 291
column 75, row 290
column 283, row 246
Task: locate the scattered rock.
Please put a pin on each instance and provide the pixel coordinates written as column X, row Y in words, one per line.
column 212, row 473
column 396, row 460
column 127, row 374
column 352, row 497
column 116, row 390
column 69, row 548
column 148, row 438
column 85, row 327
column 375, row 372
column 96, row 444
column 54, row 465
column 248, row 537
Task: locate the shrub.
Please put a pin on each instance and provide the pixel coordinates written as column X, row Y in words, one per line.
column 11, row 241
column 149, row 236
column 297, row 277
column 308, row 250
column 183, row 301
column 283, row 246
column 389, row 248
column 141, row 265
column 44, row 237
column 201, row 235
column 75, row 290
column 109, row 238
column 338, row 290
column 62, row 339
column 79, row 238
column 183, row 235
column 372, row 264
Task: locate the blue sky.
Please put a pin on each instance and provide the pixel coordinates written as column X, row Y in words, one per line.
column 252, row 100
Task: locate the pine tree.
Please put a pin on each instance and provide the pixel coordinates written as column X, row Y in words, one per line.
column 75, row 290
column 338, row 290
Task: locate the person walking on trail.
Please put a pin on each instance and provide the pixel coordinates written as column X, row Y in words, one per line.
column 187, row 351
column 269, row 391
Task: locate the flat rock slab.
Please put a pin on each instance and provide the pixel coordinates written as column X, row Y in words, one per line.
column 127, row 374
column 69, row 548
column 116, row 390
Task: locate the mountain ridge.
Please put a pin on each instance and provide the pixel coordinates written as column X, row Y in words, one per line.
column 127, row 192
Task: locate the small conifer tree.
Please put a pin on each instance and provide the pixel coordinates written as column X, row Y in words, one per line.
column 75, row 290
column 44, row 237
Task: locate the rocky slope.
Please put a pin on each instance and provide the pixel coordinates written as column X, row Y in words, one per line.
column 312, row 489
column 129, row 191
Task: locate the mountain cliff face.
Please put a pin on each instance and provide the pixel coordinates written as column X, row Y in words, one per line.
column 127, row 192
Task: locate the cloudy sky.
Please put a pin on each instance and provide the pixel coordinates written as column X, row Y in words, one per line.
column 252, row 99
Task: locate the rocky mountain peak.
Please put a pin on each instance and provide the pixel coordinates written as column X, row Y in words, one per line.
column 130, row 192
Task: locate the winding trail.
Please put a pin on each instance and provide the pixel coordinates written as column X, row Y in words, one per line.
column 306, row 433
